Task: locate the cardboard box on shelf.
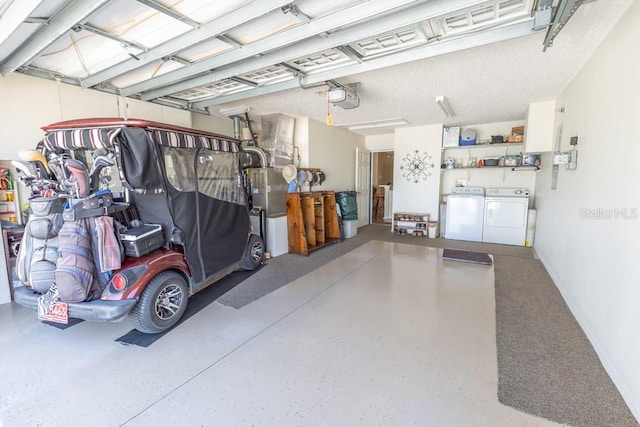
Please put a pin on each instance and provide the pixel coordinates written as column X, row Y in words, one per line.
column 518, row 130
column 515, row 138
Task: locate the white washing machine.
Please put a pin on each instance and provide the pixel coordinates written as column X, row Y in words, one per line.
column 465, row 214
column 505, row 216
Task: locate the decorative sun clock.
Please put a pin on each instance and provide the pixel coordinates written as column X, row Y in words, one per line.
column 416, row 167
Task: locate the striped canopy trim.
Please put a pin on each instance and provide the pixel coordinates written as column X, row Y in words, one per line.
column 94, row 138
column 91, row 138
column 185, row 140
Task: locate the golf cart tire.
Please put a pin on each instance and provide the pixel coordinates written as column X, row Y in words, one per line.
column 253, row 253
column 162, row 303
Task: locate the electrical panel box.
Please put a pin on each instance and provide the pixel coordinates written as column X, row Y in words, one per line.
column 561, row 158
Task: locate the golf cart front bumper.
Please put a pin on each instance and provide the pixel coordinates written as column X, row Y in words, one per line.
column 95, row 311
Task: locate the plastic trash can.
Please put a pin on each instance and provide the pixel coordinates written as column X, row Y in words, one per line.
column 350, row 228
column 432, row 229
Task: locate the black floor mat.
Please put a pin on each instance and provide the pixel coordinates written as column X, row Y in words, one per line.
column 72, row 322
column 466, row 256
column 196, row 303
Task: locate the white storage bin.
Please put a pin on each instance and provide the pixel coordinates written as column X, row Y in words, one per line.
column 350, row 228
column 277, row 235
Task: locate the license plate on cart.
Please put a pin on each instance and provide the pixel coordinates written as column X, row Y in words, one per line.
column 58, row 313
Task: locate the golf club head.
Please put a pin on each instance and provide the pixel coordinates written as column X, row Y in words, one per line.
column 80, row 176
column 100, row 152
column 99, row 163
column 26, row 168
column 36, row 157
column 56, row 164
column 43, row 170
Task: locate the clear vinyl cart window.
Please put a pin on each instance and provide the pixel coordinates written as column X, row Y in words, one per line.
column 179, row 168
column 219, row 176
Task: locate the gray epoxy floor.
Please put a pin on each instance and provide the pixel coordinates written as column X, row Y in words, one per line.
column 388, row 334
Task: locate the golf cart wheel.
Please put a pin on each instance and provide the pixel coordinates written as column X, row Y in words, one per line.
column 253, row 254
column 162, row 303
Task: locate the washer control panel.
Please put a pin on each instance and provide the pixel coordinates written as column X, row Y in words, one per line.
column 469, row 191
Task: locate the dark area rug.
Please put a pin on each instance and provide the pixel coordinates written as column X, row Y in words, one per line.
column 466, row 256
column 196, row 303
column 546, row 365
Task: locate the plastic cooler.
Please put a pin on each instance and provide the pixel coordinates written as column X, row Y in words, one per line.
column 141, row 240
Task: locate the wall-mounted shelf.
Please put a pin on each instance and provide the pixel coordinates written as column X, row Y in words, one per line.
column 467, row 157
column 525, row 168
column 512, row 168
column 477, row 146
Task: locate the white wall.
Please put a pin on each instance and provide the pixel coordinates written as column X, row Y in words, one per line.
column 380, row 142
column 423, row 196
column 301, row 142
column 592, row 253
column 213, row 123
column 28, row 103
column 333, row 150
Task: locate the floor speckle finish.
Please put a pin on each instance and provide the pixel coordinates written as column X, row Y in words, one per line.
column 388, row 334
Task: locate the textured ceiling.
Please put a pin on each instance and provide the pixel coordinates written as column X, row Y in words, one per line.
column 483, row 85
column 485, row 56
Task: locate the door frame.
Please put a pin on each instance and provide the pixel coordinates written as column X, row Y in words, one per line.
column 380, row 151
column 363, row 187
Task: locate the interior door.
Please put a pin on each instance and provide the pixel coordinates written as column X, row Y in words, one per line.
column 363, row 185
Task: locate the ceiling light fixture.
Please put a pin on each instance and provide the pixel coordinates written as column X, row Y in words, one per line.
column 376, row 124
column 235, row 111
column 444, row 104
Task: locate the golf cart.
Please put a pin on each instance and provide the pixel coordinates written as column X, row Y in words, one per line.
column 164, row 209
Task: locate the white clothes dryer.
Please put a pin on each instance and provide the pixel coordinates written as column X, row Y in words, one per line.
column 505, row 216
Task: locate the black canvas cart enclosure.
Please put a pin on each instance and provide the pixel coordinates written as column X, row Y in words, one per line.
column 191, row 184
column 199, row 197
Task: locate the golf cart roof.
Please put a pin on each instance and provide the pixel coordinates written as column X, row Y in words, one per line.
column 102, row 133
column 120, row 122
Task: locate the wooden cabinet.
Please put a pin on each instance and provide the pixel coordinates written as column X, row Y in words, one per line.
column 312, row 221
column 539, row 129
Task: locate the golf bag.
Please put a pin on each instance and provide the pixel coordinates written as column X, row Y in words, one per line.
column 75, row 269
column 38, row 253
